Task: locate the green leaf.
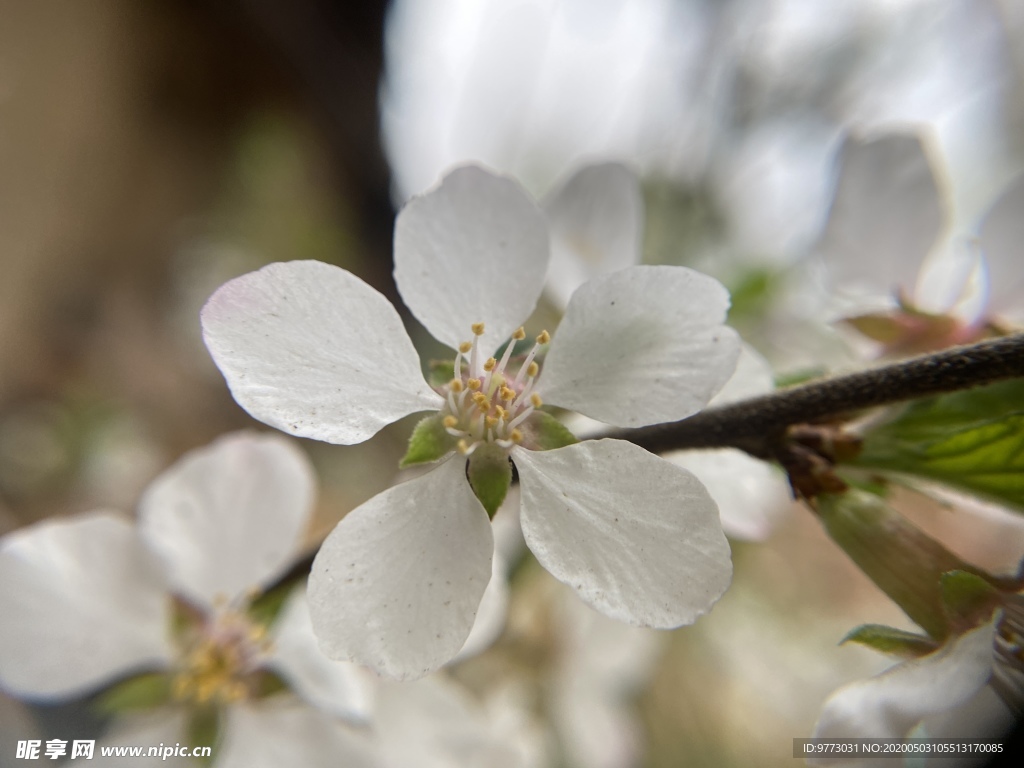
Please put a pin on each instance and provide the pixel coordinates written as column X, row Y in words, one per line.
column 137, row 693
column 895, row 642
column 490, row 475
column 972, row 440
column 543, row 432
column 429, row 442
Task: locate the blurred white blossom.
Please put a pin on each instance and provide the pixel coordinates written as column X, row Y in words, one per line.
column 92, row 599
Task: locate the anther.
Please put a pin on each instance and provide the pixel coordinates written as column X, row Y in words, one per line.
column 455, row 385
column 535, row 399
column 473, row 384
column 507, row 394
column 465, row 346
column 463, row 446
column 480, row 399
column 478, row 329
column 491, row 422
column 543, row 337
column 520, row 334
column 532, row 369
column 516, row 436
column 489, row 364
column 450, row 422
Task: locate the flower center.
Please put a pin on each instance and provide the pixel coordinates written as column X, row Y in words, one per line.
column 486, row 403
column 220, row 660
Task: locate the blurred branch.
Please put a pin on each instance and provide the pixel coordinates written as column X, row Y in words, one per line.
column 758, row 425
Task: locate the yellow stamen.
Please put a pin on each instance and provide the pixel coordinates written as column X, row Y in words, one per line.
column 450, row 422
column 490, row 363
column 520, row 334
column 455, row 385
column 491, row 422
column 544, row 337
column 501, row 413
column 474, row 384
column 480, row 399
column 463, row 446
column 516, row 436
column 465, row 347
column 507, row 394
column 478, row 329
column 532, row 369
column 535, row 399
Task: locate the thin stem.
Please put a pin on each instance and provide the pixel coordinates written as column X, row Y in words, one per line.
column 758, row 424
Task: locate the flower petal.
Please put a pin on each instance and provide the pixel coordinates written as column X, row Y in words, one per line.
column 81, row 605
column 472, row 250
column 397, row 583
column 596, row 221
column 161, row 726
column 1001, row 233
column 284, row 731
column 753, row 377
column 637, row 537
column 491, row 613
column 338, row 687
column 229, row 517
column 886, row 215
column 751, row 495
column 314, row 351
column 641, row 346
column 891, row 704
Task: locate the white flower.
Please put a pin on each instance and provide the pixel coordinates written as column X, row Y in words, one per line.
column 313, row 350
column 888, row 235
column 949, row 693
column 596, row 219
column 90, row 600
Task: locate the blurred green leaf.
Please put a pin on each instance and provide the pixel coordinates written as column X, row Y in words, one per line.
column 440, row 372
column 895, row 642
column 137, row 693
column 972, row 440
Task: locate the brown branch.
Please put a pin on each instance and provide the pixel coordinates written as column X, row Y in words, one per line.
column 757, row 425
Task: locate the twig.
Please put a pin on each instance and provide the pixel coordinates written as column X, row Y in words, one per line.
column 757, row 425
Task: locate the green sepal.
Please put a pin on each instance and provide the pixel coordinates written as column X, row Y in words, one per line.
column 892, row 641
column 203, row 730
column 490, row 475
column 969, row 599
column 543, row 432
column 267, row 683
column 440, row 372
column 972, row 440
column 138, row 693
column 267, row 607
column 429, row 442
